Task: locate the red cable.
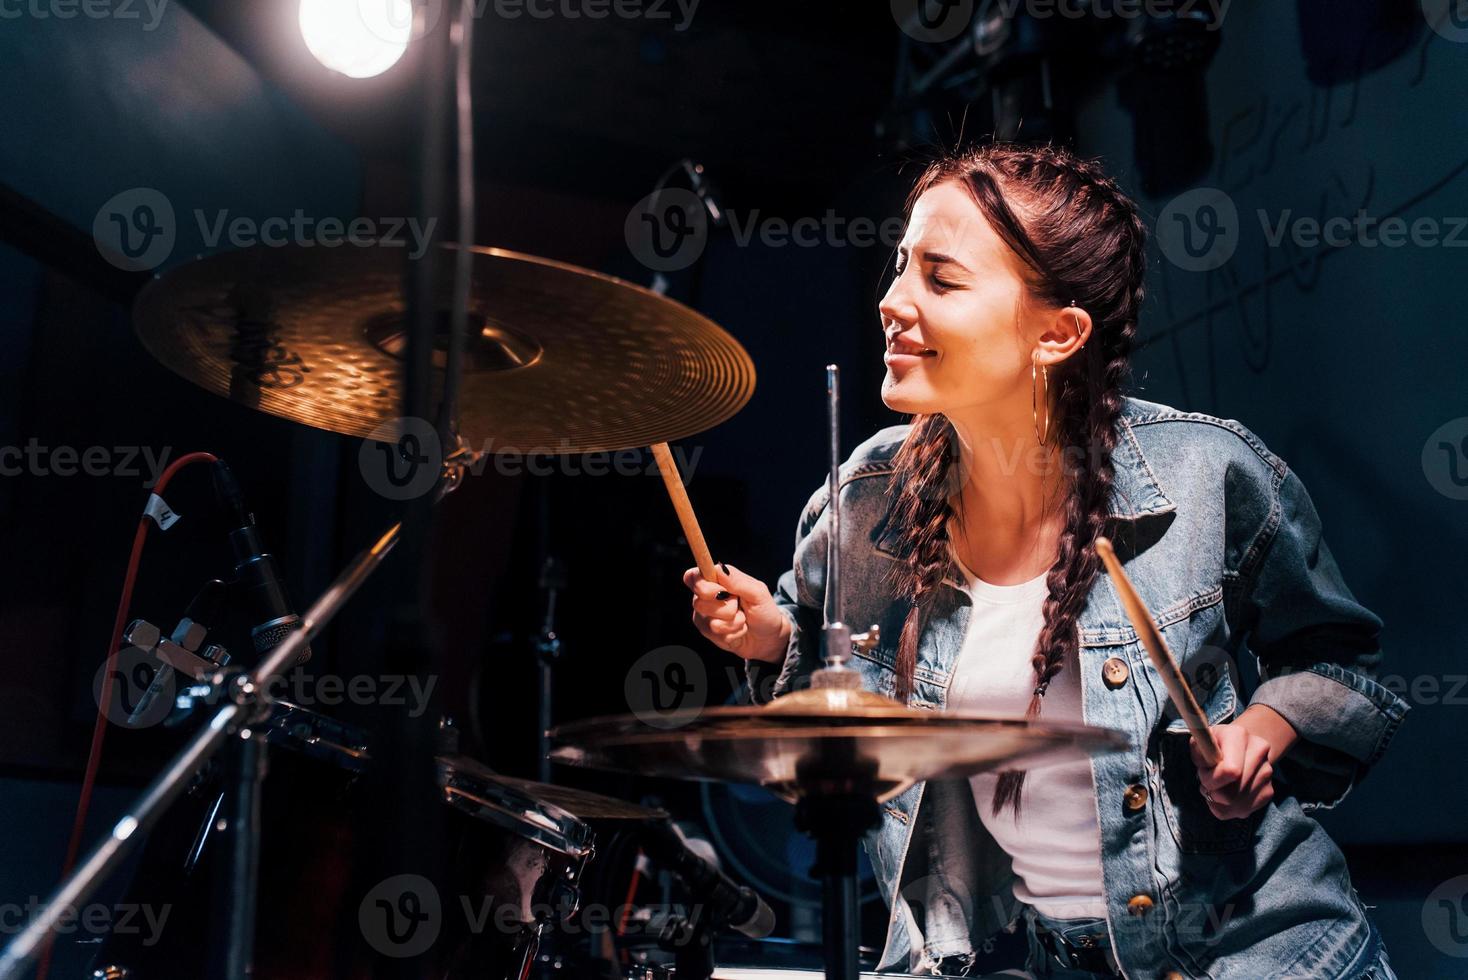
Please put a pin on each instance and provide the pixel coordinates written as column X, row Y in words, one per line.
column 631, row 897
column 104, row 696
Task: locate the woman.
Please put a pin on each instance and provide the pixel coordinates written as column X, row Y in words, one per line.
column 969, row 537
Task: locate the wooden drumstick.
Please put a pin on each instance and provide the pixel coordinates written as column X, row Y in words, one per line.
column 674, row 482
column 1172, row 675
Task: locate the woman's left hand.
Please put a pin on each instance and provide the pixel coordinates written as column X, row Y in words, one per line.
column 1242, row 781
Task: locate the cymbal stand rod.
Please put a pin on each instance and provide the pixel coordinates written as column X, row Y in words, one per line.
column 837, row 634
column 837, row 823
column 462, row 35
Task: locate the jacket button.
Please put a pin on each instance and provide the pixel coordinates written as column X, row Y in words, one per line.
column 1135, row 797
column 1115, row 672
column 1139, row 905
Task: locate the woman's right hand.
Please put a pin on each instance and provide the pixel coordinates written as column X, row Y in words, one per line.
column 738, row 614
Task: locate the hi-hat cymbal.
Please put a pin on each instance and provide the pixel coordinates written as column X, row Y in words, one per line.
column 580, row 803
column 872, row 750
column 560, row 359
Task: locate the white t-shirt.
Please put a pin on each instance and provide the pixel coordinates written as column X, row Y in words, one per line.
column 1055, row 843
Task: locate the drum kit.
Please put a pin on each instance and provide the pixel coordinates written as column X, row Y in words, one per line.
column 557, row 360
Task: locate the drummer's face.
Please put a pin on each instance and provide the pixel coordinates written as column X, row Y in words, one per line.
column 958, row 292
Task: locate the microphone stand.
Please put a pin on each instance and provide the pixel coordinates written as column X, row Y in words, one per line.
column 246, row 703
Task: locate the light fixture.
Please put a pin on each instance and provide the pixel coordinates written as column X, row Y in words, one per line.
column 359, row 38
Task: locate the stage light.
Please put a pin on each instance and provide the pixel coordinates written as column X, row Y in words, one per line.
column 359, row 38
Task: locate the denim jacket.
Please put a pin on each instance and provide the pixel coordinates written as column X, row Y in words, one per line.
column 1224, row 545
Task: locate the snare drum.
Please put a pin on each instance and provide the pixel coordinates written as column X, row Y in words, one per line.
column 519, row 856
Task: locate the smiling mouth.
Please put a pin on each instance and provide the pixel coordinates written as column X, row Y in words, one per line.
column 914, row 350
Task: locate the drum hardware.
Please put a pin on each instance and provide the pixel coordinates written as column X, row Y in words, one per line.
column 319, row 337
column 835, row 750
column 684, row 374
column 547, row 653
column 180, row 652
column 688, row 937
column 231, row 723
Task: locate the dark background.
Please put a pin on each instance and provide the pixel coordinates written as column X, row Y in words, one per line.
column 1346, row 361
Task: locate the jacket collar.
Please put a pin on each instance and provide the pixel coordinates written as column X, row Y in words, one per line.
column 1135, row 492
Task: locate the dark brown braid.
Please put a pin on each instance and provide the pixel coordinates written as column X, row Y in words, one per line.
column 1082, row 241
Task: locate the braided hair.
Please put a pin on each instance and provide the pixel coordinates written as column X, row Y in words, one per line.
column 1082, row 241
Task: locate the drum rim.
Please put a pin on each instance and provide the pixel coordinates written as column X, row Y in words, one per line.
column 479, row 796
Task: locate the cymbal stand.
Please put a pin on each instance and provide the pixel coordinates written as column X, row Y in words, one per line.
column 548, row 652
column 838, row 821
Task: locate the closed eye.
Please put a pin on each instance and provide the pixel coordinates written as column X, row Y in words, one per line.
column 937, row 260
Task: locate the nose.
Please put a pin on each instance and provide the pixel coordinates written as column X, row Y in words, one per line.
column 897, row 309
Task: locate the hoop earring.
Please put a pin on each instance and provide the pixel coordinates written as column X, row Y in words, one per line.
column 1043, row 373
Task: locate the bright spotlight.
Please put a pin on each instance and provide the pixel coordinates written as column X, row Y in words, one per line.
column 359, row 38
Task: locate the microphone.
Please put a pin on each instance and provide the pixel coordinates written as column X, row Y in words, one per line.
column 256, row 574
column 730, row 902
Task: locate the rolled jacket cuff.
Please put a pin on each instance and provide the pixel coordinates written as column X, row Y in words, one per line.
column 1336, row 708
column 1345, row 721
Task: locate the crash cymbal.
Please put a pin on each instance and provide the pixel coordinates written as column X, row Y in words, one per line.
column 560, row 359
column 872, row 749
column 577, row 802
